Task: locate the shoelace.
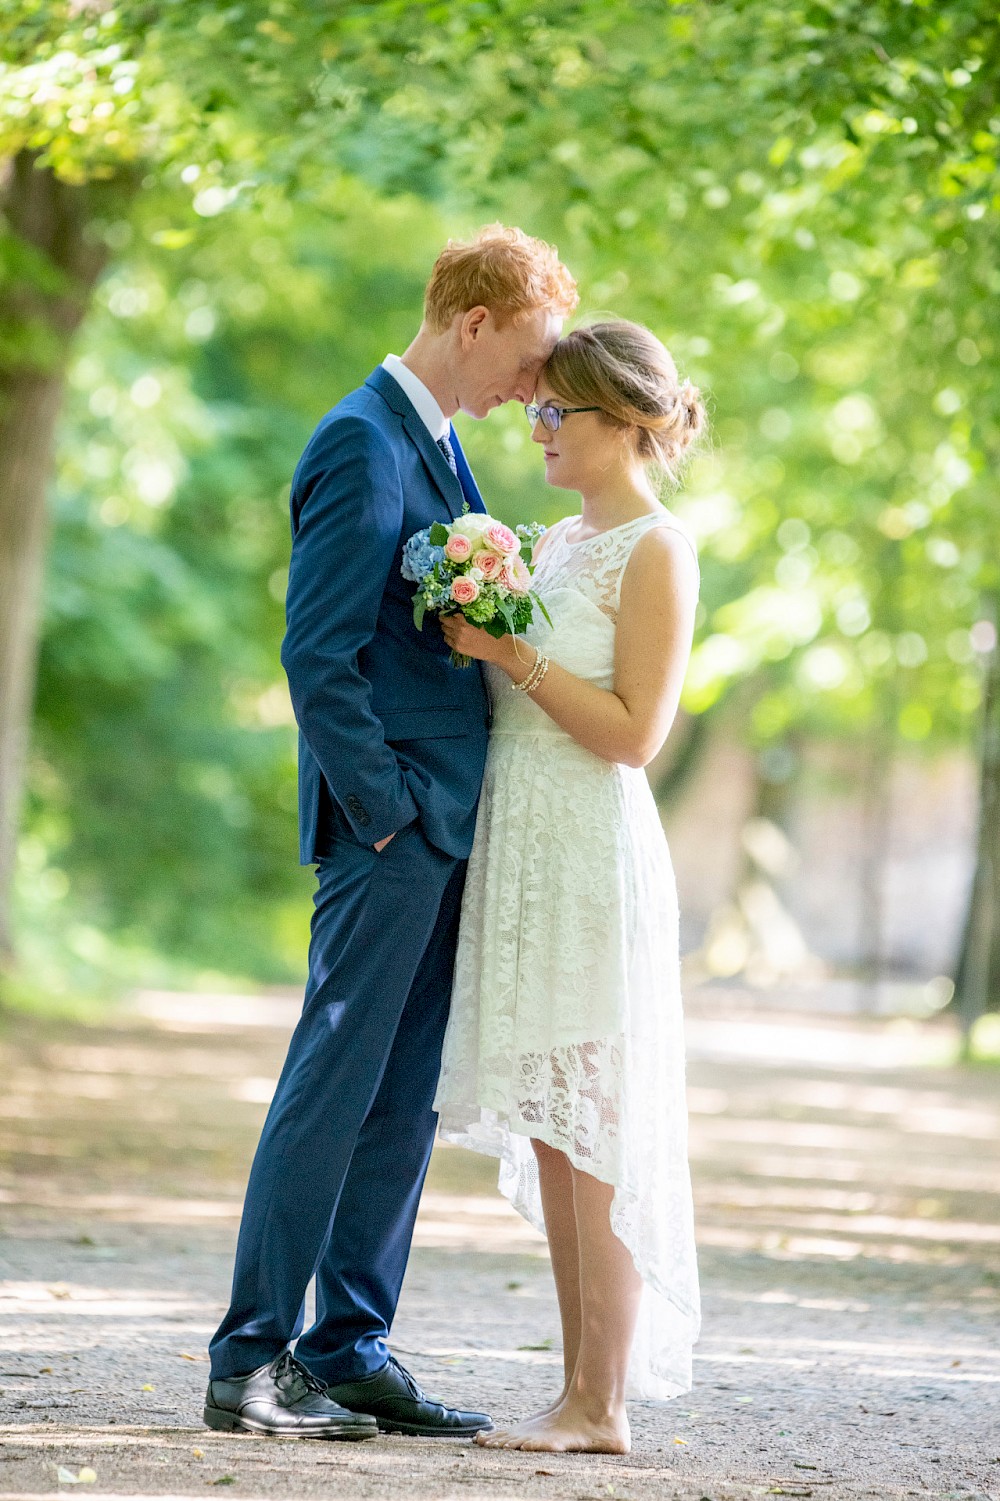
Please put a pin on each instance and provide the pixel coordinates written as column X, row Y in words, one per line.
column 294, row 1374
column 411, row 1385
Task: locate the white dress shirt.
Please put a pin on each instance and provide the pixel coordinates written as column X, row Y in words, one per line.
column 426, row 405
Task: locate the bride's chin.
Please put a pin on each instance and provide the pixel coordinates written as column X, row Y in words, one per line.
column 559, row 484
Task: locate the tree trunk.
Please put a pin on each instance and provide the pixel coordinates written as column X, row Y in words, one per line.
column 671, row 782
column 754, row 934
column 59, row 260
column 977, row 976
column 876, row 824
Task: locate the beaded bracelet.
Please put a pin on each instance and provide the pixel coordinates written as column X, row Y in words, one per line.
column 526, row 683
column 541, row 668
column 535, row 676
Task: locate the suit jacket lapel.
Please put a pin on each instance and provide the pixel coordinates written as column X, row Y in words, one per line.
column 434, row 460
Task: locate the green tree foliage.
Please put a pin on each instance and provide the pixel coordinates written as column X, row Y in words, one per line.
column 802, row 198
column 163, row 791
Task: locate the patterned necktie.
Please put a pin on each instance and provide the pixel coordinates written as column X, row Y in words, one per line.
column 449, row 453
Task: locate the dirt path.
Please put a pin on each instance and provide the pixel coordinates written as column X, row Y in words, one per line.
column 849, row 1218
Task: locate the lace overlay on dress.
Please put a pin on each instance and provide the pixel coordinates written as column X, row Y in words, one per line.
column 596, row 565
column 566, row 1019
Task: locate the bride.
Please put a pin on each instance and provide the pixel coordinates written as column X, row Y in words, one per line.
column 564, row 1050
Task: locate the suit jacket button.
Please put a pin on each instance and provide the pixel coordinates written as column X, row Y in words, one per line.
column 358, row 809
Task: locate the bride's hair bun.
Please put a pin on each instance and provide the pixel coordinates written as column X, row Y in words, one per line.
column 623, row 368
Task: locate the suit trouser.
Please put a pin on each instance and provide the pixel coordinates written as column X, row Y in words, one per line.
column 341, row 1161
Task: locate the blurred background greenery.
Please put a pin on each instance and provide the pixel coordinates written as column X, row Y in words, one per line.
column 218, row 218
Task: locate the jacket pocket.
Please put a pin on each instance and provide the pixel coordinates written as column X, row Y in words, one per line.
column 424, row 724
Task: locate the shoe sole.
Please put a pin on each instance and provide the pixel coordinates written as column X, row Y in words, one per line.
column 222, row 1421
column 418, row 1430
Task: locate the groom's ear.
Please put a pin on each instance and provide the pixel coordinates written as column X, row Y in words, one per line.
column 473, row 323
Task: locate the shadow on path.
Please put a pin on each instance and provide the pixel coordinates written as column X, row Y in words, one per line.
column 848, row 1191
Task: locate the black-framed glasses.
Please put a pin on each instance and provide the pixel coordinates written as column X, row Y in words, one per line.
column 550, row 417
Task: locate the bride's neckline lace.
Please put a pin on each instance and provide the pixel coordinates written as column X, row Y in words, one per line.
column 595, row 565
column 608, row 531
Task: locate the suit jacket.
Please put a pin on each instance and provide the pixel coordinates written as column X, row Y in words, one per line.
column 385, row 722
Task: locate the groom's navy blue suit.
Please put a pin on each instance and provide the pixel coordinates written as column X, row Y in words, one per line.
column 392, row 741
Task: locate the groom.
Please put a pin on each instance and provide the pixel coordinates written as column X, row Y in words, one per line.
column 392, row 746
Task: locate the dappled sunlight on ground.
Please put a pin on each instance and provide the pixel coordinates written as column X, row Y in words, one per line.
column 847, row 1183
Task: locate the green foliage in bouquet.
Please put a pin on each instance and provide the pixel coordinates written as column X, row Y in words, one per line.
column 496, row 609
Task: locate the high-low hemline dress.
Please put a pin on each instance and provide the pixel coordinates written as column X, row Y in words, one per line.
column 566, row 1020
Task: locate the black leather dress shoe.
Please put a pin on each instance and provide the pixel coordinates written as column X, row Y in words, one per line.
column 282, row 1398
column 397, row 1404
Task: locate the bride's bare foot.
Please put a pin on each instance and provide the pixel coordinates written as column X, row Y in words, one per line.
column 542, row 1412
column 556, row 1402
column 564, row 1429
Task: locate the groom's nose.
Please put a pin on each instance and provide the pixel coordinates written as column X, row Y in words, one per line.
column 524, row 387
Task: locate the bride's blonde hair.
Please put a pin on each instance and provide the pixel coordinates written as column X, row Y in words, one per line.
column 624, row 369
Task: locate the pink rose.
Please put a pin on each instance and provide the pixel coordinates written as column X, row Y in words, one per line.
column 464, row 590
column 457, row 548
column 489, row 564
column 515, row 576
column 501, row 539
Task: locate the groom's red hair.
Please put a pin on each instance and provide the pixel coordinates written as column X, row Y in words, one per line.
column 502, row 269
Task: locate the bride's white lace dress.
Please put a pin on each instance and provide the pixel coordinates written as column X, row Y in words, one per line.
column 566, row 1011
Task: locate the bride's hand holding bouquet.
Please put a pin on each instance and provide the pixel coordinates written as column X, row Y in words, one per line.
column 472, row 573
column 473, row 643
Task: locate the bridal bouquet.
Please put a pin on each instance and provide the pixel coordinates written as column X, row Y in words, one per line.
column 474, row 566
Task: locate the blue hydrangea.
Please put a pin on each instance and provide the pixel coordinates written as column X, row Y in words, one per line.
column 419, row 556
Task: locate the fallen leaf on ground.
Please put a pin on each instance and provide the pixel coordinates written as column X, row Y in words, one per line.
column 545, row 1344
column 198, row 1453
column 744, row 1399
column 45, row 1370
column 148, row 1388
column 223, row 1480
column 186, row 1355
column 86, row 1476
column 545, row 1472
column 680, row 1441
